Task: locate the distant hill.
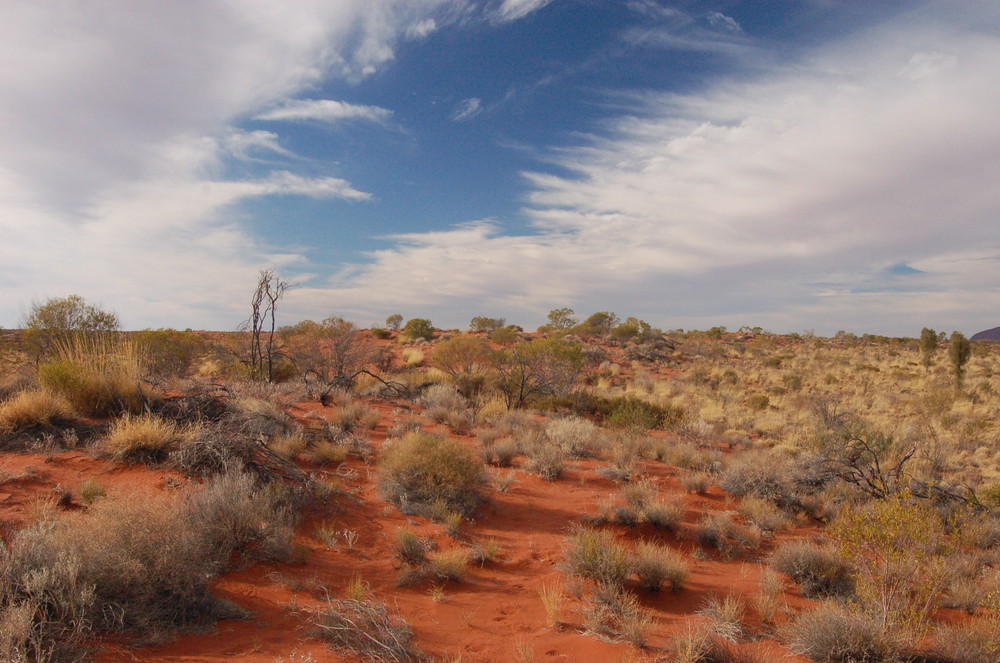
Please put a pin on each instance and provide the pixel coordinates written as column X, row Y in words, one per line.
column 988, row 335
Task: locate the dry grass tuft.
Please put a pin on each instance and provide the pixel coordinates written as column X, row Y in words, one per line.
column 145, row 438
column 366, row 628
column 655, row 565
column 34, row 408
column 99, row 376
column 597, row 554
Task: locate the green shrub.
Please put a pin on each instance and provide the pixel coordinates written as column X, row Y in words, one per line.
column 418, row 328
column 421, row 470
column 170, row 352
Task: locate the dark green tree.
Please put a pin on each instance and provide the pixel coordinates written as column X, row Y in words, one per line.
column 959, row 351
column 928, row 345
column 418, row 328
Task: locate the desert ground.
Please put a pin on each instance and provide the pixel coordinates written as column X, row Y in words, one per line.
column 590, row 492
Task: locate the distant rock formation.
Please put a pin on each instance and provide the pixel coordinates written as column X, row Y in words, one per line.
column 988, row 335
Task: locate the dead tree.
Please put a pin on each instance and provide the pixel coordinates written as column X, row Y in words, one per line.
column 262, row 323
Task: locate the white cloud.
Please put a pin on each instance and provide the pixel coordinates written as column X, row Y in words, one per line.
column 512, row 10
column 325, row 110
column 780, row 201
column 421, row 29
column 119, row 121
column 720, row 21
column 467, row 110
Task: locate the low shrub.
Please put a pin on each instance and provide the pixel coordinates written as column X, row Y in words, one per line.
column 718, row 530
column 410, row 548
column 696, row 482
column 423, row 469
column 639, row 494
column 546, row 460
column 761, row 474
column 664, row 514
column 830, row 634
column 241, row 519
column 502, row 452
column 576, row 437
column 449, row 565
column 138, row 565
column 655, row 565
column 974, row 641
column 725, row 617
column 366, row 628
column 819, row 570
column 763, row 513
column 613, row 613
column 597, row 554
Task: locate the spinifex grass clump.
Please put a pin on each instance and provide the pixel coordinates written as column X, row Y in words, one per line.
column 33, row 408
column 100, row 375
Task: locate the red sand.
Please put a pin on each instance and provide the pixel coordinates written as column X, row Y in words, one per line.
column 482, row 619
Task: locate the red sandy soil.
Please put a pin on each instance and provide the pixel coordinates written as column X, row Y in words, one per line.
column 481, row 619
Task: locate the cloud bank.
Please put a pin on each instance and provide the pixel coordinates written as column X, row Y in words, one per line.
column 780, row 201
column 120, row 120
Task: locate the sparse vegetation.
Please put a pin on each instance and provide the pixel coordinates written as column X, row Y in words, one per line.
column 849, row 466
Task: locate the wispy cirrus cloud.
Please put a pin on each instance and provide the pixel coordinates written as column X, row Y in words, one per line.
column 512, row 10
column 781, row 200
column 325, row 110
column 468, row 109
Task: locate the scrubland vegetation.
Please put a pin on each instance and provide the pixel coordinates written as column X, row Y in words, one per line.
column 840, row 496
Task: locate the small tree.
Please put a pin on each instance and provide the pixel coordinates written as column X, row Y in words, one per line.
column 560, row 319
column 418, row 328
column 481, row 323
column 542, row 367
column 899, row 551
column 959, row 351
column 598, row 324
column 59, row 318
column 928, row 346
column 394, row 322
column 262, row 323
column 466, row 359
column 335, row 351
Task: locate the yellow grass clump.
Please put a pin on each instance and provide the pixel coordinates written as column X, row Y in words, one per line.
column 33, row 407
column 98, row 375
column 144, row 438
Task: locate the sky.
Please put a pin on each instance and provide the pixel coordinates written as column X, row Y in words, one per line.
column 797, row 165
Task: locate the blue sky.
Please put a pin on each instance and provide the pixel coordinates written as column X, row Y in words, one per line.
column 810, row 164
